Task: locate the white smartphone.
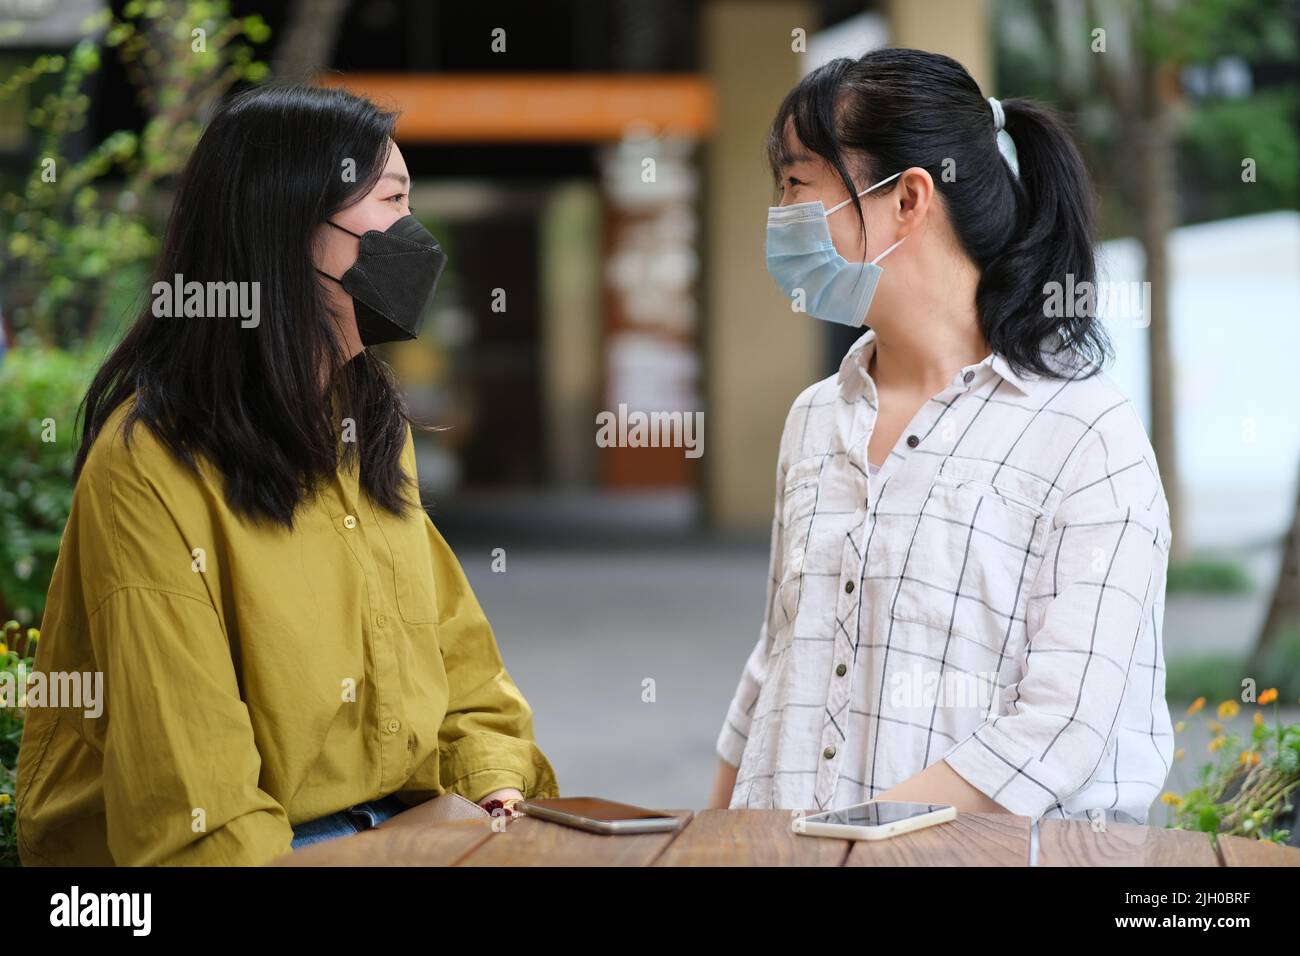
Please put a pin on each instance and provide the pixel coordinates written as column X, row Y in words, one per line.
column 874, row 820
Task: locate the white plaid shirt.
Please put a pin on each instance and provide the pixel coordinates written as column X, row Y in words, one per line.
column 992, row 598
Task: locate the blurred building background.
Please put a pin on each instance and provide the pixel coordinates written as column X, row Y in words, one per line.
column 596, row 173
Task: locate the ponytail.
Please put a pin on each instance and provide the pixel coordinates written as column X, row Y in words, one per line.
column 1051, row 246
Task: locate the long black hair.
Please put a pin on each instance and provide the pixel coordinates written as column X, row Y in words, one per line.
column 892, row 109
column 264, row 404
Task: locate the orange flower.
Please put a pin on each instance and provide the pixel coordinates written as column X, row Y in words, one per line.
column 1180, row 753
column 1248, row 758
column 1268, row 696
column 1259, row 719
column 1228, row 709
column 1215, row 727
column 1217, row 743
column 1172, row 799
column 1196, row 706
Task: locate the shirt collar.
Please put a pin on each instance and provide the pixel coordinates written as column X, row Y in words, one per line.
column 853, row 369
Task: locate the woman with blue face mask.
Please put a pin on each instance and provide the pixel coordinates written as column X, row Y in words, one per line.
column 970, row 535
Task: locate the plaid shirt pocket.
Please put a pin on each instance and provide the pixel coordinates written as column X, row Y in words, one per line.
column 976, row 543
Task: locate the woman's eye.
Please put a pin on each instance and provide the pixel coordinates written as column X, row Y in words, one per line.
column 796, row 182
column 400, row 197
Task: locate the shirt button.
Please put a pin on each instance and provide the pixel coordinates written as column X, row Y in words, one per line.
column 848, row 587
column 913, row 441
column 828, row 753
column 394, row 726
column 840, row 670
column 349, row 521
column 967, row 377
column 381, row 620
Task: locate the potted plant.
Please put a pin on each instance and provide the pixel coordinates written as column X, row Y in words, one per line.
column 1250, row 786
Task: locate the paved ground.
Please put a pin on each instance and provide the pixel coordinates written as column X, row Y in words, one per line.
column 583, row 628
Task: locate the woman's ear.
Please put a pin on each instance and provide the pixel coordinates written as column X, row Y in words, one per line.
column 912, row 199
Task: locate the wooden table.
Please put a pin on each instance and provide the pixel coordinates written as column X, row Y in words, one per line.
column 764, row 838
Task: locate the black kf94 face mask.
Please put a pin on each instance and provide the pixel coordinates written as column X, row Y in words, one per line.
column 393, row 280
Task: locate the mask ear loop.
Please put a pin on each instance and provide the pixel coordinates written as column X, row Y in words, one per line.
column 344, row 228
column 863, row 193
column 888, row 251
column 330, row 222
column 840, row 205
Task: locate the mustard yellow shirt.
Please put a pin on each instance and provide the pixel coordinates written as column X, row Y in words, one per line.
column 253, row 677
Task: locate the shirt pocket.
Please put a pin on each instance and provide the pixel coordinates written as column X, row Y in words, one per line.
column 976, row 545
column 798, row 510
column 411, row 570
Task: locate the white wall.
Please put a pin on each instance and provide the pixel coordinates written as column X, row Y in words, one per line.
column 1235, row 308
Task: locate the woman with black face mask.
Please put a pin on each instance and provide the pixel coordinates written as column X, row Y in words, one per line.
column 289, row 649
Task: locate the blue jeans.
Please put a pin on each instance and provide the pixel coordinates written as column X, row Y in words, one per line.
column 354, row 819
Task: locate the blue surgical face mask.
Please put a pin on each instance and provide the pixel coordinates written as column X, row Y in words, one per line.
column 802, row 257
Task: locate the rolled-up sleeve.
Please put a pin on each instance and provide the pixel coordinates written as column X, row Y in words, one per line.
column 180, row 764
column 486, row 741
column 1102, row 576
column 740, row 712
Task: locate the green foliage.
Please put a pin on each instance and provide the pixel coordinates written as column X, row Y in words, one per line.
column 1218, row 676
column 1044, row 52
column 1279, row 665
column 1209, row 675
column 1207, row 576
column 16, row 648
column 40, row 390
column 1201, row 30
column 1221, row 134
column 69, row 237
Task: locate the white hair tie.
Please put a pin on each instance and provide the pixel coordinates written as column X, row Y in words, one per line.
column 999, row 115
column 1006, row 146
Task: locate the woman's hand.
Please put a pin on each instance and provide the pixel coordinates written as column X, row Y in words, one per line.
column 939, row 783
column 504, row 795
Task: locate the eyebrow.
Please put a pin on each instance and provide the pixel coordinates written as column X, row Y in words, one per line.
column 796, row 157
column 398, row 176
